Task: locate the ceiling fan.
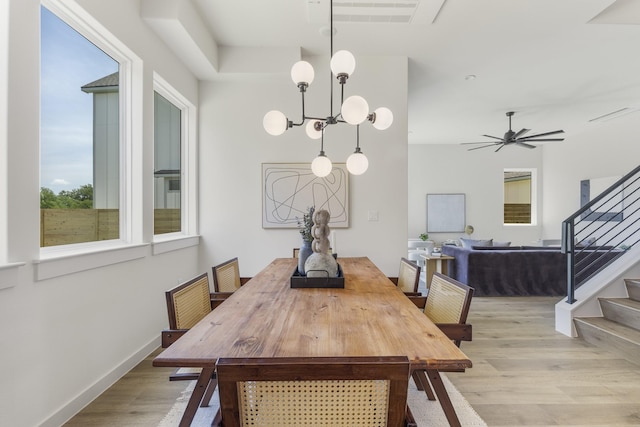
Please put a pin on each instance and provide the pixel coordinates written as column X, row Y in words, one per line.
column 516, row 138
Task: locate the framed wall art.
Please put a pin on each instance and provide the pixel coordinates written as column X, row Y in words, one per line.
column 289, row 189
column 445, row 213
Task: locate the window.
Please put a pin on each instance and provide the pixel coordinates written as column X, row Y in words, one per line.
column 79, row 137
column 519, row 196
column 166, row 148
column 174, row 164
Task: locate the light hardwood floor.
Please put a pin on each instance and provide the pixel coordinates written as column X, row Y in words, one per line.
column 524, row 374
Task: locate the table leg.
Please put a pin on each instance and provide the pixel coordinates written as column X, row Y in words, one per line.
column 443, row 397
column 196, row 396
column 444, row 266
column 431, row 266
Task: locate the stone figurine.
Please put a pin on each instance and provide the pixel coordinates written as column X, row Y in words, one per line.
column 321, row 262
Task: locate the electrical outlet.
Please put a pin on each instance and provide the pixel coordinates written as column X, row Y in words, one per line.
column 373, row 215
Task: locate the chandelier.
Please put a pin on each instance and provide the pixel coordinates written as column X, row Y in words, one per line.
column 354, row 110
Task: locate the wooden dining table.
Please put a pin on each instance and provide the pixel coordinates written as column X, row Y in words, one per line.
column 370, row 316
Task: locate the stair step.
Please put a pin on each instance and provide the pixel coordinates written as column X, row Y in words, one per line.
column 610, row 335
column 622, row 310
column 633, row 287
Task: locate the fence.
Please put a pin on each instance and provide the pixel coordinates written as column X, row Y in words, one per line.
column 67, row 226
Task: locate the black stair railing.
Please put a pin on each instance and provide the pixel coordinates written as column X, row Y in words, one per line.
column 601, row 231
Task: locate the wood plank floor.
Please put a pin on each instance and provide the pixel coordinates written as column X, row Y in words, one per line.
column 524, row 374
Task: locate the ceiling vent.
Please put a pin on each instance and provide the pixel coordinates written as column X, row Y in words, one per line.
column 374, row 11
column 615, row 114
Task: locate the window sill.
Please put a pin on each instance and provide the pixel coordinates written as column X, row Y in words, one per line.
column 173, row 242
column 9, row 274
column 55, row 262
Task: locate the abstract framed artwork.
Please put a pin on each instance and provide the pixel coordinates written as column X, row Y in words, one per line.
column 445, row 213
column 289, row 189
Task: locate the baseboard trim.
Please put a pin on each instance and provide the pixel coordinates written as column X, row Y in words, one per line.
column 66, row 412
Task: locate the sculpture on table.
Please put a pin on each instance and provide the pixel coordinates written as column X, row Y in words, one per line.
column 321, row 263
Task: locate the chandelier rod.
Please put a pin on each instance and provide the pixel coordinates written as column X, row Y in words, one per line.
column 331, row 54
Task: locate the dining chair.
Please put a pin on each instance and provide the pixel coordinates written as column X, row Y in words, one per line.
column 294, row 391
column 226, row 276
column 409, row 276
column 187, row 304
column 447, row 305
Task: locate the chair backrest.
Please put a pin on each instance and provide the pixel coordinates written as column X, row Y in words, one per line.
column 409, row 276
column 349, row 391
column 226, row 276
column 188, row 302
column 448, row 300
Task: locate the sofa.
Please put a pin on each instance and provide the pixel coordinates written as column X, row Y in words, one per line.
column 523, row 270
column 510, row 270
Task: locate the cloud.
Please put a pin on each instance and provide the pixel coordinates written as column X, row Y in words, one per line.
column 59, row 181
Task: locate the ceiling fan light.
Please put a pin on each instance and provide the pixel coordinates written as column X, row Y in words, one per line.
column 321, row 166
column 343, row 62
column 357, row 163
column 312, row 131
column 355, row 110
column 383, row 118
column 302, row 72
column 275, row 122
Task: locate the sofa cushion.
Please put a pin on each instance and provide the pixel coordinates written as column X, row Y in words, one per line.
column 501, row 244
column 468, row 243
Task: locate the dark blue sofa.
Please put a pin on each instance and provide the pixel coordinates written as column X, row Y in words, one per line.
column 510, row 271
column 522, row 270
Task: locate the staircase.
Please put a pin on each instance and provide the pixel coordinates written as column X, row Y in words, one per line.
column 619, row 328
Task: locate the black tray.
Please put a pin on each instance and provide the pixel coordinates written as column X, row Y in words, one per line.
column 298, row 281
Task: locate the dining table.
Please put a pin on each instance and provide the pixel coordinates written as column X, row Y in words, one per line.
column 267, row 317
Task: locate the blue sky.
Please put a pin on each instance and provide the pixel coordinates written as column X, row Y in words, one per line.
column 68, row 61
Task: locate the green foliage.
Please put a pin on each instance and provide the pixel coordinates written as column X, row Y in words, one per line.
column 306, row 223
column 424, row 236
column 78, row 198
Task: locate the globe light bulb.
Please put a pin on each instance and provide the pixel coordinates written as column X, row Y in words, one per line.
column 357, row 163
column 275, row 123
column 321, row 166
column 311, row 129
column 343, row 62
column 355, row 110
column 383, row 118
column 302, row 72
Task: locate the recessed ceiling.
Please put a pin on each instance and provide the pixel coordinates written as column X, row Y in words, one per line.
column 556, row 63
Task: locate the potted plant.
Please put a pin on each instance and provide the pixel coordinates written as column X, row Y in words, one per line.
column 428, row 244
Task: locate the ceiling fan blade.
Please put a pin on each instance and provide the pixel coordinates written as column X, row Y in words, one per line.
column 543, row 134
column 520, row 133
column 481, row 142
column 484, row 146
column 500, row 148
column 522, row 144
column 541, row 140
column 494, row 137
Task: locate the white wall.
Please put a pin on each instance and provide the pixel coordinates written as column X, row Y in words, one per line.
column 65, row 339
column 233, row 144
column 479, row 174
column 605, row 149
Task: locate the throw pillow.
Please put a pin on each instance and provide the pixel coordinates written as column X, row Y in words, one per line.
column 502, row 244
column 468, row 243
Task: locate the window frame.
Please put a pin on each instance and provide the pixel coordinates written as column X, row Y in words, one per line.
column 188, row 234
column 534, row 196
column 58, row 260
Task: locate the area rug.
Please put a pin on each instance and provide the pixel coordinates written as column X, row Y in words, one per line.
column 427, row 413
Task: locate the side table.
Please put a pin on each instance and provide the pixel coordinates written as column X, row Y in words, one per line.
column 431, row 263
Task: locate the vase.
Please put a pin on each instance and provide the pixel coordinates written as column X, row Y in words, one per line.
column 305, row 251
